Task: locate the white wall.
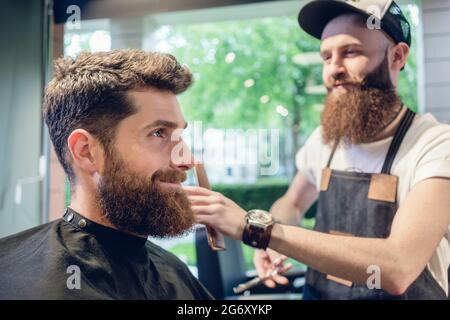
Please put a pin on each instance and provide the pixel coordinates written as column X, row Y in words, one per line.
column 21, row 86
column 436, row 29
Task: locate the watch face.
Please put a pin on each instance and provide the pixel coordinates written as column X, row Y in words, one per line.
column 260, row 217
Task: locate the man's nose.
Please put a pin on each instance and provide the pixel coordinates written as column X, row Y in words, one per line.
column 337, row 69
column 182, row 159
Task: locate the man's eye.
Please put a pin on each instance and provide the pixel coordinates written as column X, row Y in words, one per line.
column 158, row 133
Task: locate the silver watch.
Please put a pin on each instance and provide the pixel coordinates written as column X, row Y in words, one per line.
column 258, row 229
column 259, row 218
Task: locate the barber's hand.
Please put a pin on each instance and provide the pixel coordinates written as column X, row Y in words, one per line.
column 265, row 261
column 217, row 211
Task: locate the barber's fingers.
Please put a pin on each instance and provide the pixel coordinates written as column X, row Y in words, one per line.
column 206, row 200
column 286, row 267
column 267, row 268
column 279, row 263
column 207, row 214
column 260, row 260
column 192, row 190
column 265, row 263
column 275, row 257
column 270, row 283
column 200, row 200
column 202, row 219
column 279, row 260
column 275, row 280
column 207, row 210
column 279, row 278
column 263, row 267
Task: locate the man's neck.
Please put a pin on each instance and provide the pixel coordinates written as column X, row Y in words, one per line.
column 392, row 127
column 86, row 204
column 82, row 204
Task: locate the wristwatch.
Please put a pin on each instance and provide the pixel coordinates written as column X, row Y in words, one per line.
column 258, row 228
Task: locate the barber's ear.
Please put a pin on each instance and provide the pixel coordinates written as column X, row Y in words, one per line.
column 399, row 55
column 86, row 151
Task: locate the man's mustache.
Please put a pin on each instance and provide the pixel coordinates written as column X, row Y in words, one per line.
column 361, row 85
column 169, row 175
column 344, row 83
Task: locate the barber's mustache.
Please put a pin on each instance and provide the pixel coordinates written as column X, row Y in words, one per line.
column 349, row 83
column 361, row 85
column 169, row 175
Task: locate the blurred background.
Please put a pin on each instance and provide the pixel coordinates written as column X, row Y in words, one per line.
column 257, row 90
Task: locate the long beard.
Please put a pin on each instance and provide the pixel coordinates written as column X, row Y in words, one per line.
column 360, row 113
column 139, row 205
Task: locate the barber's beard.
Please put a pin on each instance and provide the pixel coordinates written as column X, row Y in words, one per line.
column 363, row 110
column 140, row 205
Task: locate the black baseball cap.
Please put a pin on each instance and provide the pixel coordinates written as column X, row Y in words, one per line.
column 315, row 15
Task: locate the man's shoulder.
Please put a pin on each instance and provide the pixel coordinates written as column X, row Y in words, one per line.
column 316, row 134
column 24, row 261
column 429, row 133
column 428, row 126
column 313, row 141
column 28, row 236
column 27, row 246
column 173, row 269
column 161, row 255
column 169, row 264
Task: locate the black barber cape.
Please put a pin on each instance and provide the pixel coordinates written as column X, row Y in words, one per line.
column 75, row 258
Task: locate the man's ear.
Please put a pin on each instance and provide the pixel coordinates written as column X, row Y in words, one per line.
column 86, row 151
column 399, row 54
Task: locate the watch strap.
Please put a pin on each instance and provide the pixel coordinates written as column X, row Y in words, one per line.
column 257, row 237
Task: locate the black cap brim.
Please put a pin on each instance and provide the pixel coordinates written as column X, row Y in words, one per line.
column 314, row 16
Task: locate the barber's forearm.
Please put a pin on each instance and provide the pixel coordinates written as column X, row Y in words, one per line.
column 341, row 256
column 284, row 211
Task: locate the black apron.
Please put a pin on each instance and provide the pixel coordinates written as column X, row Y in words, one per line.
column 362, row 205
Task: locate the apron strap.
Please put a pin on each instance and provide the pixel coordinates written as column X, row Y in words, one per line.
column 400, row 133
column 336, row 143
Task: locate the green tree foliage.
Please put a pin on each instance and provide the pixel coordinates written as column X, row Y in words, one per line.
column 224, row 55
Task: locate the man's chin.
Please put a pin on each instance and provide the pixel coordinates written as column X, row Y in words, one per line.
column 174, row 234
column 160, row 232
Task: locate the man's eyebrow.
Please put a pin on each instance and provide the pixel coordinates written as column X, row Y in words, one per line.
column 323, row 51
column 352, row 44
column 164, row 123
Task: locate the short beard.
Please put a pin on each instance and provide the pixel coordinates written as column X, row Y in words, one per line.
column 363, row 111
column 139, row 205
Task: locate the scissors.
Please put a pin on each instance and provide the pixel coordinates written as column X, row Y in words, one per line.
column 257, row 280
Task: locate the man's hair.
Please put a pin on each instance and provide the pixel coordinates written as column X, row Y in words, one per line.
column 90, row 92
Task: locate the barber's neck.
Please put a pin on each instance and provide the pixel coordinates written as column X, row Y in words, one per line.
column 392, row 127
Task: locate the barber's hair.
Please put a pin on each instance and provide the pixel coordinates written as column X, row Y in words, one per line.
column 90, row 92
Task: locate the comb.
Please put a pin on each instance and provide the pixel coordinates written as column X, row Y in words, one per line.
column 216, row 241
